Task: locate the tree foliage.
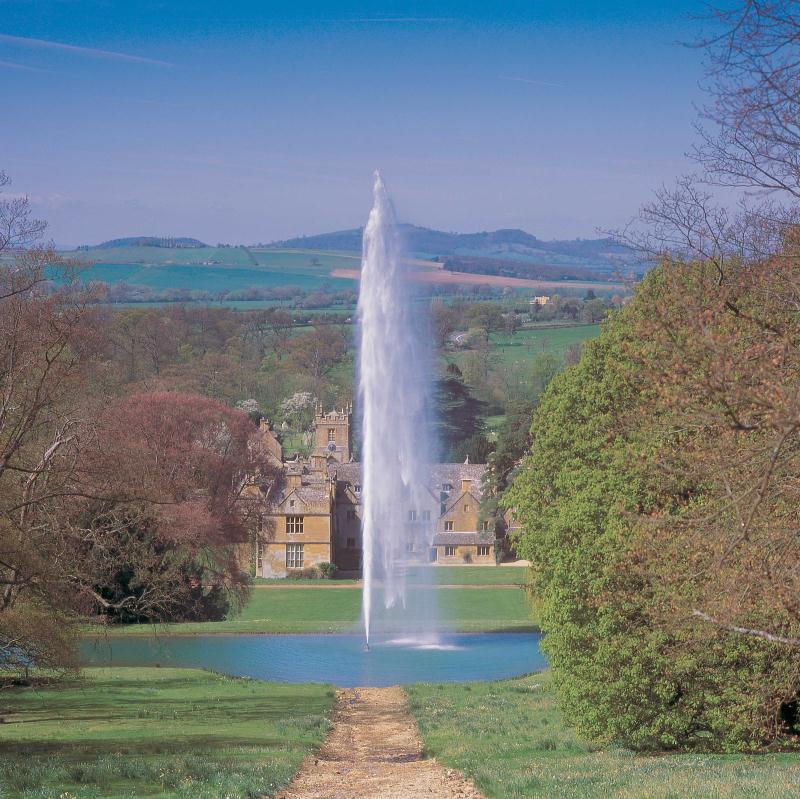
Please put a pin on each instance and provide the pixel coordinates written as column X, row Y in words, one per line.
column 458, row 415
column 646, row 456
column 86, row 467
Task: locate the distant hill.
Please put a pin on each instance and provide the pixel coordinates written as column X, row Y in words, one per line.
column 603, row 255
column 167, row 242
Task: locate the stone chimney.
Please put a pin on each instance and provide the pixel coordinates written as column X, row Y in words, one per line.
column 294, row 477
column 466, row 486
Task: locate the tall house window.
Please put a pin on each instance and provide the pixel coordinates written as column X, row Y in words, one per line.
column 294, row 556
column 426, row 516
column 294, row 524
column 448, row 527
column 412, row 515
column 449, row 552
column 483, row 552
column 332, row 434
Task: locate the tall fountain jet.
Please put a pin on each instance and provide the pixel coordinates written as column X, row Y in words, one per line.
column 393, row 391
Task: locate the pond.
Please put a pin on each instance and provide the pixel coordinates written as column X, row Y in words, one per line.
column 338, row 659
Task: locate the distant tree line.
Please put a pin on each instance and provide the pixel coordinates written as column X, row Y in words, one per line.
column 521, row 269
column 291, row 296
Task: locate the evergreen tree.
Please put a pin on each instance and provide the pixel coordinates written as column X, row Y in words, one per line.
column 459, row 414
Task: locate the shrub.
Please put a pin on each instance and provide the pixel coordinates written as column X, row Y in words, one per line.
column 499, row 551
column 309, row 573
column 327, row 570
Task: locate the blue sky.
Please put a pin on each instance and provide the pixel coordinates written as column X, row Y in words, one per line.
column 252, row 121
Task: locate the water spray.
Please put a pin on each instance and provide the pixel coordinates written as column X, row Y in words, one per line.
column 393, row 387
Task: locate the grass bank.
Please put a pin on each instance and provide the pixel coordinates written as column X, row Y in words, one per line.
column 309, row 609
column 510, row 738
column 160, row 733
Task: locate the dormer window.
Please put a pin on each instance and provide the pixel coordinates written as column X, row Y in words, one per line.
column 291, row 503
column 357, row 488
column 447, row 487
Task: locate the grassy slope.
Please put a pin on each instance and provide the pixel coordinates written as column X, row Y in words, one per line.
column 509, row 737
column 526, row 344
column 161, row 268
column 517, row 353
column 312, row 609
column 183, row 732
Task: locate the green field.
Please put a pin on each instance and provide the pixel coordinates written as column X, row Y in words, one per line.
column 516, row 353
column 525, row 345
column 213, row 269
column 510, row 738
column 308, row 609
column 134, row 732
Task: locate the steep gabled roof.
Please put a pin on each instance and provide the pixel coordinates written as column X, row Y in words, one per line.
column 440, row 474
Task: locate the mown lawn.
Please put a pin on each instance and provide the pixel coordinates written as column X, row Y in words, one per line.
column 310, row 609
column 467, row 575
column 429, row 575
column 150, row 732
column 510, row 738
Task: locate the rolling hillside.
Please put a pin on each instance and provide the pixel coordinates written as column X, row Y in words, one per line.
column 514, row 246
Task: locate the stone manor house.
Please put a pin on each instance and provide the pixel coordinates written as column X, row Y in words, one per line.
column 313, row 510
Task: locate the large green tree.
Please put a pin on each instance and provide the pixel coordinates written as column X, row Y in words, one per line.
column 458, row 418
column 611, row 500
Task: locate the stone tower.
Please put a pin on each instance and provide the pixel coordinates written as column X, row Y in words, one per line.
column 332, row 433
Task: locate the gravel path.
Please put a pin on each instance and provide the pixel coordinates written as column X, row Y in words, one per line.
column 374, row 750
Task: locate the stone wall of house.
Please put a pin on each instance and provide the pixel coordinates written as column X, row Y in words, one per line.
column 463, row 512
column 460, row 551
column 315, row 538
column 273, row 557
column 347, row 539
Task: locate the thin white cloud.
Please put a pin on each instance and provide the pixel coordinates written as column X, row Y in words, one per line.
column 532, row 82
column 400, row 19
column 23, row 67
column 46, row 44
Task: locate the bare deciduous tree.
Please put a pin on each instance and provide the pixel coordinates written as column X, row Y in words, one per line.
column 750, row 131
